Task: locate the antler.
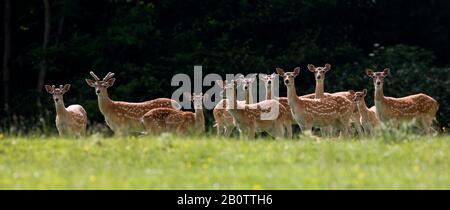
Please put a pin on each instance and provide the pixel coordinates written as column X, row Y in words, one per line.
column 95, row 76
column 108, row 76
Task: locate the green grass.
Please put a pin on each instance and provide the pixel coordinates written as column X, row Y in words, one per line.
column 207, row 163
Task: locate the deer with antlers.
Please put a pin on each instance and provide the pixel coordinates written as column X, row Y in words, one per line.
column 160, row 120
column 319, row 75
column 268, row 115
column 369, row 119
column 269, row 83
column 124, row 117
column 419, row 106
column 329, row 111
column 70, row 121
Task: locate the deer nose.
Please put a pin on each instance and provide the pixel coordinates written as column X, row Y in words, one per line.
column 378, row 83
column 98, row 91
column 268, row 82
column 56, row 99
column 318, row 77
column 286, row 82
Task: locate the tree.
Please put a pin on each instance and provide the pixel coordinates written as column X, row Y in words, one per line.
column 6, row 56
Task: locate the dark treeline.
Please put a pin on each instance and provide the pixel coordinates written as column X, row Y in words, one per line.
column 146, row 42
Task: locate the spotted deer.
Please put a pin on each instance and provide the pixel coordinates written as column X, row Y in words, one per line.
column 319, row 75
column 124, row 117
column 420, row 107
column 247, row 85
column 223, row 119
column 329, row 111
column 257, row 117
column 269, row 81
column 70, row 121
column 159, row 120
column 369, row 119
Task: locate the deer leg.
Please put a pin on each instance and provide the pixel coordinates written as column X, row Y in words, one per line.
column 358, row 127
column 288, row 126
column 228, row 131
column 307, row 129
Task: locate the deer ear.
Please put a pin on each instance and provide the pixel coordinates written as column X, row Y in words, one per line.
column 365, row 92
column 386, row 71
column 263, row 77
column 110, row 82
column 369, row 72
column 280, row 71
column 327, row 67
column 296, row 71
column 66, row 87
column 311, row 68
column 90, row 82
column 49, row 89
column 352, row 92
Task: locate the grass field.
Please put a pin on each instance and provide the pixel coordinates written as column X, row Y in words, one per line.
column 168, row 162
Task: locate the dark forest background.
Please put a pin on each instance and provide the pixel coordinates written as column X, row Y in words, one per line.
column 146, row 42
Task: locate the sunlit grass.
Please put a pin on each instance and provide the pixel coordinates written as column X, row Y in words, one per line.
column 168, row 162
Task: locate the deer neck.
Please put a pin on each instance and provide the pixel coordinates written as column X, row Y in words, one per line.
column 293, row 99
column 363, row 110
column 319, row 89
column 379, row 100
column 199, row 119
column 269, row 92
column 61, row 109
column 104, row 102
column 248, row 96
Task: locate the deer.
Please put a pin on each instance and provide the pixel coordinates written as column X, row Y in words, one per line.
column 159, row 120
column 369, row 119
column 269, row 81
column 319, row 75
column 223, row 119
column 70, row 121
column 247, row 84
column 257, row 117
column 124, row 117
column 329, row 111
column 419, row 107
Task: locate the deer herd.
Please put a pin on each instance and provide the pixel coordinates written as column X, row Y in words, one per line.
column 335, row 114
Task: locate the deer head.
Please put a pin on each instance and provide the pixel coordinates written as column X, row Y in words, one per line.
column 319, row 72
column 101, row 85
column 268, row 79
column 377, row 77
column 247, row 82
column 57, row 93
column 359, row 96
column 288, row 77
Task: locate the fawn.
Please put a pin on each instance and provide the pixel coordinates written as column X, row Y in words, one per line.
column 124, row 117
column 419, row 106
column 268, row 115
column 369, row 119
column 334, row 110
column 70, row 121
column 161, row 120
